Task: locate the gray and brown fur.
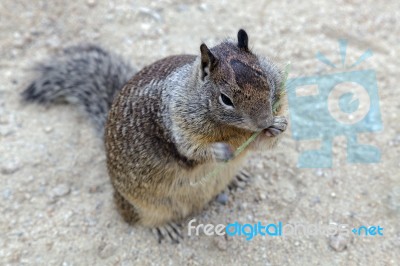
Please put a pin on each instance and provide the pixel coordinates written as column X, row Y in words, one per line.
column 170, row 126
column 85, row 75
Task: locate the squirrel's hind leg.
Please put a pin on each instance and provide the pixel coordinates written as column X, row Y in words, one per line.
column 241, row 180
column 125, row 209
column 171, row 232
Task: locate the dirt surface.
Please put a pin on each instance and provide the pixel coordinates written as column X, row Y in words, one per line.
column 56, row 199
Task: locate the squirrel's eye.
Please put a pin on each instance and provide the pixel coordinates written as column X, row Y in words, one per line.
column 225, row 100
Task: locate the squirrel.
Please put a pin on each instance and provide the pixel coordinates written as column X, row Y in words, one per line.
column 168, row 126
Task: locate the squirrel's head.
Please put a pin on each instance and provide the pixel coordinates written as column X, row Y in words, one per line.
column 243, row 86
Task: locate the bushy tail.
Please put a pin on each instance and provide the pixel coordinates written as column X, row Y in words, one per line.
column 87, row 76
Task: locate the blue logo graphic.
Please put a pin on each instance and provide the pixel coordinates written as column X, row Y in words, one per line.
column 338, row 104
column 347, row 105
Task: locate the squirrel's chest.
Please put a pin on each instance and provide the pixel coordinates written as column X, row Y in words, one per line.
column 195, row 188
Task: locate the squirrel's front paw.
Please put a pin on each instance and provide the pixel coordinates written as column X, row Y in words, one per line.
column 222, row 152
column 279, row 125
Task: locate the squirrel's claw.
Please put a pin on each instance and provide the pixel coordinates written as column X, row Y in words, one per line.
column 171, row 232
column 240, row 180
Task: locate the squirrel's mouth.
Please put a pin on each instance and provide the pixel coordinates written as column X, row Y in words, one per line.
column 255, row 126
column 249, row 127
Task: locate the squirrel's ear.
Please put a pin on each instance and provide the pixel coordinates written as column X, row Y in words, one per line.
column 208, row 60
column 243, row 40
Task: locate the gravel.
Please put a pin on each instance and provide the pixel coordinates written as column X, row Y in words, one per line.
column 56, row 199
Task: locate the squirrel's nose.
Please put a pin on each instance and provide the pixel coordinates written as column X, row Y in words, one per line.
column 265, row 122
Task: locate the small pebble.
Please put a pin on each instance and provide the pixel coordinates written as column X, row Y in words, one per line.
column 262, row 195
column 319, row 172
column 315, row 200
column 338, row 242
column 4, row 120
column 67, row 214
column 54, row 42
column 203, row 7
column 7, row 193
column 182, row 8
column 60, row 190
column 106, row 250
column 221, row 243
column 242, row 206
column 91, row 3
column 151, row 13
column 222, row 198
column 5, row 132
column 10, row 168
column 90, row 221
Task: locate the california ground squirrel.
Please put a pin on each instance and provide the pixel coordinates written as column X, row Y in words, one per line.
column 172, row 123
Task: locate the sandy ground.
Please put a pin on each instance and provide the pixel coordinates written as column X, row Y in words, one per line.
column 56, row 200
